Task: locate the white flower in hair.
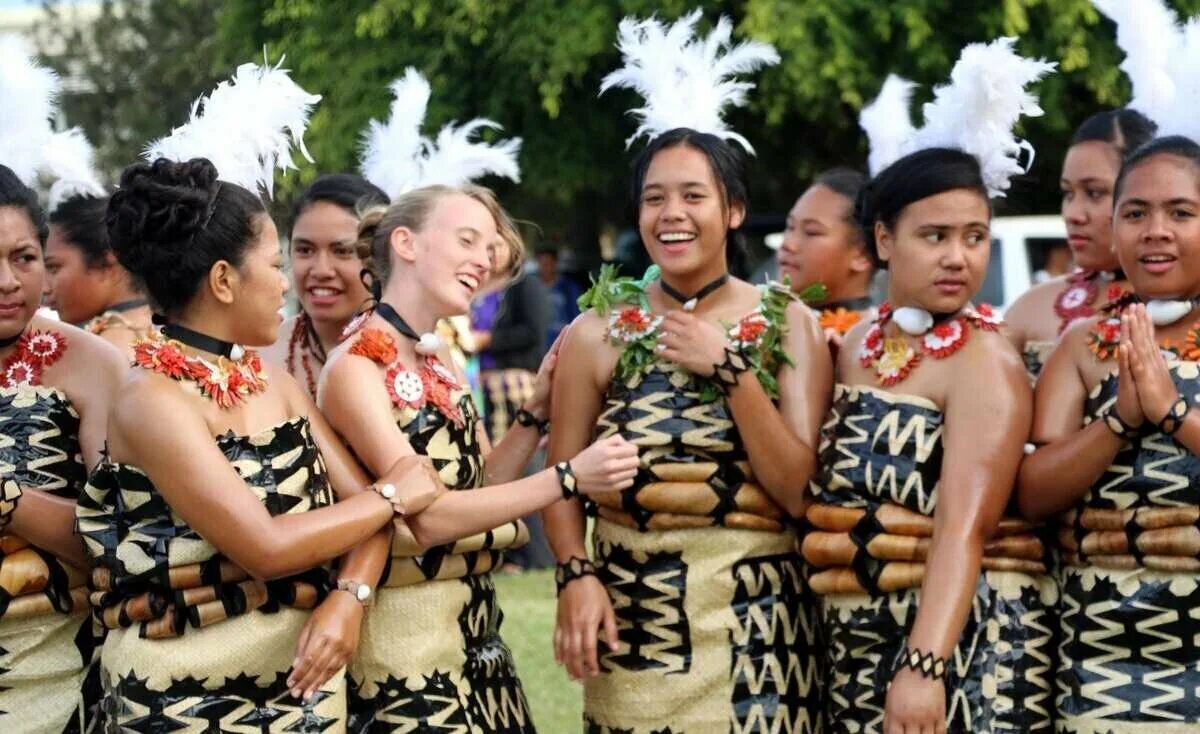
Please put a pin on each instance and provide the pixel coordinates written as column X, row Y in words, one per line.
column 686, row 81
column 246, row 126
column 397, row 158
column 975, row 113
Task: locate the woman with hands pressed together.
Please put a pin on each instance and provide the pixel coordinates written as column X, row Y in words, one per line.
column 693, row 614
column 933, row 606
column 1117, row 462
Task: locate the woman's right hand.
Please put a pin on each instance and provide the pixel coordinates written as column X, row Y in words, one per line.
column 608, row 465
column 1128, row 405
column 584, row 610
column 414, row 484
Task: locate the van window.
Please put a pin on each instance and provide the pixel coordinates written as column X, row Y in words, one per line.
column 993, row 285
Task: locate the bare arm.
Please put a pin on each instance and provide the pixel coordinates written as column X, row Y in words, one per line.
column 782, row 443
column 187, row 467
column 1069, row 458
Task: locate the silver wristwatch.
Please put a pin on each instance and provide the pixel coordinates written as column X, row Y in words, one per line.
column 360, row 591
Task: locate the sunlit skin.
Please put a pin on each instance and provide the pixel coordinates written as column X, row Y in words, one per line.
column 1156, row 231
column 682, row 200
column 1089, row 174
column 937, row 256
column 822, row 244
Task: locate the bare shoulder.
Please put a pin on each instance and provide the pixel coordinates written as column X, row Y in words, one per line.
column 1032, row 314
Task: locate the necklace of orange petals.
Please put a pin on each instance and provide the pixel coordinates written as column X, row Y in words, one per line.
column 225, row 382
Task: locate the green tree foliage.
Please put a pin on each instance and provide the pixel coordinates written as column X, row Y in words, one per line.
column 535, row 66
column 133, row 71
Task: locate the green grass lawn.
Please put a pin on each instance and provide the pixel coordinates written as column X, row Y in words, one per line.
column 529, row 606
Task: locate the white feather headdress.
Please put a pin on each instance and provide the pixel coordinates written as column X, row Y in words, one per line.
column 29, row 95
column 1161, row 61
column 974, row 113
column 398, row 159
column 246, row 126
column 686, row 81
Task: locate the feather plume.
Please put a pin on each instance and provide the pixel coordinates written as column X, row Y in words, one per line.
column 888, row 122
column 1178, row 115
column 455, row 159
column 392, row 151
column 28, row 101
column 246, row 126
column 686, row 81
column 1149, row 35
column 974, row 113
column 397, row 158
column 67, row 160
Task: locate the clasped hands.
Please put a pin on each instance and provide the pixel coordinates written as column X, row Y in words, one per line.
column 1145, row 389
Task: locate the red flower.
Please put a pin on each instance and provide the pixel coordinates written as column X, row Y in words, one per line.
column 376, row 345
column 44, row 347
column 633, row 319
column 750, row 328
column 20, row 372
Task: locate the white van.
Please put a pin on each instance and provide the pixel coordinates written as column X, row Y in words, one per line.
column 1019, row 245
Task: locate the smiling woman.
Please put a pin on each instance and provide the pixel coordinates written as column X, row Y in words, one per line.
column 327, row 273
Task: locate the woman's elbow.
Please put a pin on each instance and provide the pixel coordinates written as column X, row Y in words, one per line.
column 427, row 534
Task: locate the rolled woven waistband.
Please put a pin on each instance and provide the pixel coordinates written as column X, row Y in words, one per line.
column 883, row 548
column 33, row 581
column 1160, row 538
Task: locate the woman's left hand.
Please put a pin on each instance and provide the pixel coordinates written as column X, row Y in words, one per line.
column 1156, row 390
column 326, row 644
column 692, row 343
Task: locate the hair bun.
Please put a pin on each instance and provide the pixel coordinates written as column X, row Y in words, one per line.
column 157, row 209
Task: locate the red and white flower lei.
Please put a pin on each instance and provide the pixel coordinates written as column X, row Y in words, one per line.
column 35, row 351
column 893, row 358
column 227, row 383
column 431, row 384
column 631, row 324
column 748, row 333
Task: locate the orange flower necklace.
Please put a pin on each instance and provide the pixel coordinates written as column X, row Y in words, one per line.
column 227, row 382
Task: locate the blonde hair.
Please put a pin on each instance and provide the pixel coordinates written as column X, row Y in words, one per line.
column 412, row 210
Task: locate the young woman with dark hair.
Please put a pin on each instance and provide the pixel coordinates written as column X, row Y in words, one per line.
column 934, row 607
column 1041, row 315
column 56, row 383
column 1117, row 463
column 693, row 585
column 212, row 518
column 84, row 282
column 326, row 273
column 823, row 244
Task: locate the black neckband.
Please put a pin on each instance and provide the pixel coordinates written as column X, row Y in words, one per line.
column 5, row 343
column 698, row 295
column 196, row 340
column 129, row 305
column 398, row 323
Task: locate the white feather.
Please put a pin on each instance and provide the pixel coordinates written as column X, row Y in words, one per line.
column 28, row 102
column 888, row 122
column 455, row 159
column 392, row 151
column 1149, row 35
column 398, row 159
column 68, row 160
column 246, row 126
column 977, row 110
column 1178, row 116
column 686, row 81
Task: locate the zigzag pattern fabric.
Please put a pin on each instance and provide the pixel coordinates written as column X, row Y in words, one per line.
column 881, row 456
column 714, row 617
column 46, row 640
column 1128, row 657
column 430, row 657
column 202, row 648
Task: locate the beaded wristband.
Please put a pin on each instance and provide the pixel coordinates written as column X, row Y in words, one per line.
column 574, row 568
column 567, row 480
column 10, row 492
column 529, row 420
column 728, row 373
column 1173, row 420
column 926, row 663
column 1118, row 426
